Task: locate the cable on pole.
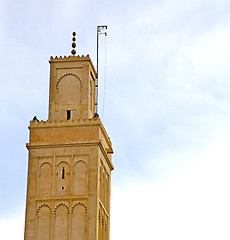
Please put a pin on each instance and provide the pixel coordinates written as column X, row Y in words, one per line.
column 103, row 105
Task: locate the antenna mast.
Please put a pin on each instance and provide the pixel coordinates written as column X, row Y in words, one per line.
column 100, row 30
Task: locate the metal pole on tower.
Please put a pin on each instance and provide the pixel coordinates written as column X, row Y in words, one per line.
column 100, row 30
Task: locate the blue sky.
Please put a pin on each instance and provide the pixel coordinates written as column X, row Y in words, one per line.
column 166, row 107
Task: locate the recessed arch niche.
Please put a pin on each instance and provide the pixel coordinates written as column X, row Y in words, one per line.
column 80, row 178
column 45, row 180
column 68, row 95
column 79, row 218
column 43, row 223
column 61, row 223
column 63, row 179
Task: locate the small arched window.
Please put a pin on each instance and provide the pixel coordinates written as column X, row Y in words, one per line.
column 63, row 173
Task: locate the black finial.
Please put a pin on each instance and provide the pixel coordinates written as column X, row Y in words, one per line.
column 74, row 44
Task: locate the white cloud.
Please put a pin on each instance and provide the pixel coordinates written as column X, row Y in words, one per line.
column 193, row 203
column 12, row 227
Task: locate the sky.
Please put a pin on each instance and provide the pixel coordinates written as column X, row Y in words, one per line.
column 164, row 100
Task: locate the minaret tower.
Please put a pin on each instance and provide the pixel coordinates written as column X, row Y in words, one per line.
column 69, row 168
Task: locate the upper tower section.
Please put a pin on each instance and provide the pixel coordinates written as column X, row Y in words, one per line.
column 72, row 93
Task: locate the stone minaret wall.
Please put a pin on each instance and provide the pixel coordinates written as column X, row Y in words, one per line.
column 69, row 167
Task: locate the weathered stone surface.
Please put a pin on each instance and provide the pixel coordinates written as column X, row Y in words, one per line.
column 69, row 168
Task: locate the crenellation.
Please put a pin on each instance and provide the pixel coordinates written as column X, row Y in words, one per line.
column 71, row 58
column 78, row 57
column 50, row 123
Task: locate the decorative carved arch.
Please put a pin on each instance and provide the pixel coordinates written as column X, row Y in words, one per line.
column 60, row 204
column 63, row 162
column 44, row 164
column 79, row 203
column 106, row 224
column 80, row 161
column 99, row 215
column 61, row 223
column 103, row 219
column 67, row 74
column 45, row 180
column 43, row 205
column 79, row 221
column 60, row 164
column 80, row 178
